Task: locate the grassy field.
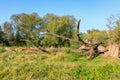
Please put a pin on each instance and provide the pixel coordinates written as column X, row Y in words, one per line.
column 66, row 65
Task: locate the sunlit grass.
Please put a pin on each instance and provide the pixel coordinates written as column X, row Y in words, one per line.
column 66, row 65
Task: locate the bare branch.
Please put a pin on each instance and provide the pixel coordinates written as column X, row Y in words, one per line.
column 78, row 35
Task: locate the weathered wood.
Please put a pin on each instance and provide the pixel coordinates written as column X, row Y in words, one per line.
column 78, row 34
column 91, row 47
column 102, row 49
column 113, row 51
column 91, row 53
column 43, row 50
column 84, row 48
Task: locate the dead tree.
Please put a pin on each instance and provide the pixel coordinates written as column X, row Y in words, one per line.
column 93, row 47
column 113, row 50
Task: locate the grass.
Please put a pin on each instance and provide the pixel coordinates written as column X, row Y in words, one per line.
column 2, row 50
column 64, row 65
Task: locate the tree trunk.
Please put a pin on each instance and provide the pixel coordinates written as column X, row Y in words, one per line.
column 113, row 51
column 91, row 54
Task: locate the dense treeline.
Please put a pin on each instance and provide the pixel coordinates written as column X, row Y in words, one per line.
column 29, row 30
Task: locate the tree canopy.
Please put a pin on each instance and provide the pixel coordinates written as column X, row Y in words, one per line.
column 61, row 25
column 25, row 30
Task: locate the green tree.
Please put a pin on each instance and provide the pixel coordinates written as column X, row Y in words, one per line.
column 114, row 29
column 1, row 35
column 96, row 35
column 27, row 26
column 117, row 32
column 60, row 25
column 8, row 31
column 115, row 35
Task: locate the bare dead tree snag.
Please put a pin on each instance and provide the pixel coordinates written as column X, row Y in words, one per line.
column 93, row 47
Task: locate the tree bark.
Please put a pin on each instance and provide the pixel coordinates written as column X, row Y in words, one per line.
column 113, row 51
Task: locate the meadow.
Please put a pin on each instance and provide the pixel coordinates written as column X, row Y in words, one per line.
column 63, row 65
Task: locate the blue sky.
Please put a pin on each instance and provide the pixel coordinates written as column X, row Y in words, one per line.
column 93, row 13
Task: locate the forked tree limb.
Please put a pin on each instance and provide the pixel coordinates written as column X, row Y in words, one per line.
column 78, row 34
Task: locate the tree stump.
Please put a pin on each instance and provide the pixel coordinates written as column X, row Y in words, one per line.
column 113, row 51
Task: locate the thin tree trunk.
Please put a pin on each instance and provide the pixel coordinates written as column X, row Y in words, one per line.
column 91, row 54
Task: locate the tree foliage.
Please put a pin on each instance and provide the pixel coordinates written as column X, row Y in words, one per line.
column 96, row 35
column 8, row 30
column 24, row 29
column 1, row 35
column 61, row 25
column 114, row 26
column 27, row 26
